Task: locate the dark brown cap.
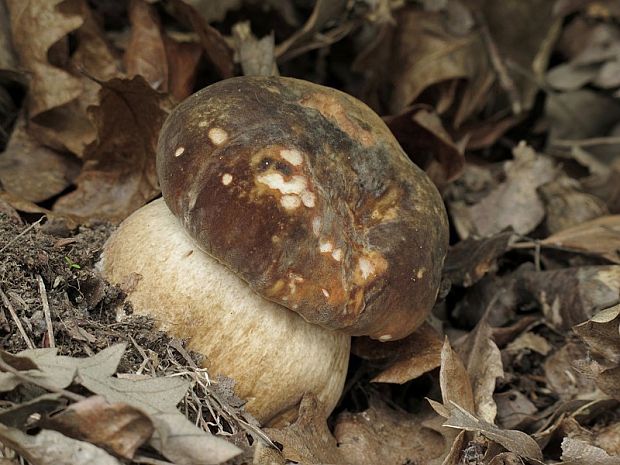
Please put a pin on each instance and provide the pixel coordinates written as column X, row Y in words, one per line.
column 304, row 193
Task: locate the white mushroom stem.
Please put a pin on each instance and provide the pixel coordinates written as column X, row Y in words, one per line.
column 272, row 354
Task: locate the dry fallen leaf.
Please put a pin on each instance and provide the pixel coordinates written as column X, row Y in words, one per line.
column 407, row 358
column 257, row 57
column 32, row 171
column 119, row 171
column 116, row 427
column 577, row 452
column 599, row 237
column 570, row 296
column 483, row 361
column 146, row 52
column 52, row 448
column 601, row 333
column 383, row 435
column 515, row 441
column 515, row 203
column 454, row 380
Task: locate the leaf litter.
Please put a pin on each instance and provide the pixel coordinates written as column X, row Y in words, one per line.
column 512, row 108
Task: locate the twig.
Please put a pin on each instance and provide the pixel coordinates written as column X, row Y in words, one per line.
column 37, row 382
column 21, row 234
column 611, row 140
column 505, row 80
column 46, row 311
column 18, row 323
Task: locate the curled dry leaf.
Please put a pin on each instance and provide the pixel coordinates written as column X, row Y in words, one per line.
column 601, row 333
column 483, row 361
column 578, row 452
column 146, row 52
column 454, row 380
column 599, row 237
column 31, row 171
column 119, row 171
column 183, row 59
column 213, row 43
column 570, row 296
column 407, row 358
column 116, row 427
column 515, row 202
column 562, row 375
column 513, row 409
column 513, row 440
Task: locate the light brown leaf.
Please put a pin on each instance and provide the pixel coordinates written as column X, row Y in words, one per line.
column 383, row 435
column 213, row 43
column 119, row 172
column 146, row 53
column 454, row 380
column 599, row 237
column 407, row 358
column 31, row 171
column 513, row 440
column 117, row 427
column 52, row 448
column 601, row 333
column 515, row 203
column 483, row 361
column 257, row 57
column 578, row 452
column 183, row 60
column 570, row 296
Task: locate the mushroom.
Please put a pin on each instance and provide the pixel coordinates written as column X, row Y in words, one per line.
column 281, row 195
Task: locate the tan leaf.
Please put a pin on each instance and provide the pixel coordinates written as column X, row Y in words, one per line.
column 119, row 172
column 383, row 435
column 454, row 380
column 601, row 333
column 407, row 358
column 578, row 452
column 484, row 365
column 117, row 427
column 599, row 237
column 31, row 171
column 213, row 43
column 146, row 53
column 570, row 296
column 513, row 440
column 183, row 59
column 515, row 203
column 257, row 57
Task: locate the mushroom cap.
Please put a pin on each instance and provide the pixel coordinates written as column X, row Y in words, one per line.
column 271, row 353
column 303, row 192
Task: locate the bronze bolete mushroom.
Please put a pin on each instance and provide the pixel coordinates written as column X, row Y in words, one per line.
column 302, row 193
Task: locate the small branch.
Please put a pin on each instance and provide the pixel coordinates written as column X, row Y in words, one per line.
column 18, row 374
column 21, row 234
column 46, row 311
column 18, row 323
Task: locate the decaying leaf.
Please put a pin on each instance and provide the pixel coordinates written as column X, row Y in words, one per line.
column 382, row 435
column 601, row 333
column 515, row 441
column 600, row 237
column 513, row 409
column 570, row 296
column 515, row 203
column 257, row 56
column 31, row 171
column 562, row 375
column 454, row 380
column 483, row 361
column 577, row 452
column 113, row 426
column 52, row 448
column 146, row 53
column 119, row 171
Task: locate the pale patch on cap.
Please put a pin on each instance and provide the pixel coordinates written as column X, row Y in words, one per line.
column 293, row 156
column 178, row 152
column 290, row 201
column 227, row 179
column 218, row 136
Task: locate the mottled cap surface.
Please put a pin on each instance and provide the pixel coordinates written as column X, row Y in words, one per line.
column 304, row 193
